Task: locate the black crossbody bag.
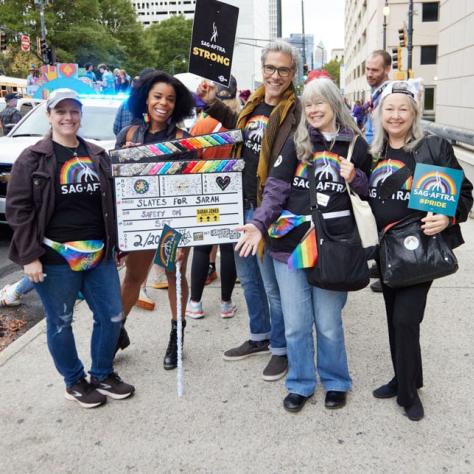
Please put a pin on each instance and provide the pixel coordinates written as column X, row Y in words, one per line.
column 408, row 256
column 342, row 262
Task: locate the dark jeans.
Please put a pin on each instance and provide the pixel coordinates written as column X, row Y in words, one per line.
column 101, row 289
column 200, row 266
column 405, row 310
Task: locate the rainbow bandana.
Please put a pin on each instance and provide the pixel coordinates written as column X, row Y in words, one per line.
column 286, row 222
column 81, row 255
column 305, row 254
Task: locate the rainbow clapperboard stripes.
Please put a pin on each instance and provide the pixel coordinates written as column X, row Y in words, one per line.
column 201, row 199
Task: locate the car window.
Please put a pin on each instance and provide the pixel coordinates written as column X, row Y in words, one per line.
column 97, row 122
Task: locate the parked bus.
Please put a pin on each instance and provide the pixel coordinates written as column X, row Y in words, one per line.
column 12, row 84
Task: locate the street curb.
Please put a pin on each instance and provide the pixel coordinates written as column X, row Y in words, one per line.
column 20, row 343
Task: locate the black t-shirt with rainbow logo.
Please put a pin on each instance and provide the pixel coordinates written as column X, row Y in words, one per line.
column 253, row 134
column 78, row 204
column 394, row 207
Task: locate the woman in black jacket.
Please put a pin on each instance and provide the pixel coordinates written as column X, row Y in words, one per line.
column 158, row 101
column 399, row 144
column 60, row 206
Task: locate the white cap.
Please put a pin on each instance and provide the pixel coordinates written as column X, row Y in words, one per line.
column 59, row 95
column 401, row 87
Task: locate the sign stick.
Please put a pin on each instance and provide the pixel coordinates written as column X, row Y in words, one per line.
column 180, row 374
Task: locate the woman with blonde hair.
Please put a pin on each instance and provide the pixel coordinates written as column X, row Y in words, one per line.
column 399, row 144
column 319, row 146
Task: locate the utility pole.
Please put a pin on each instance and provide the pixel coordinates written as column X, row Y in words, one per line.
column 410, row 39
column 279, row 30
column 44, row 53
column 302, row 29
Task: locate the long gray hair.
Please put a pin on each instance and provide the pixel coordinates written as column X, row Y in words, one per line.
column 415, row 134
column 325, row 89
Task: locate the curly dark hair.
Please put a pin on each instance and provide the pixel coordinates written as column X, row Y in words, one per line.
column 139, row 95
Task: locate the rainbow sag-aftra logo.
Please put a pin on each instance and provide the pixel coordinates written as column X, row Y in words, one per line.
column 435, row 189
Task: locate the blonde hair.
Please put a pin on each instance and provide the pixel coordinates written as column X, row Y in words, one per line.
column 325, row 89
column 415, row 134
column 233, row 104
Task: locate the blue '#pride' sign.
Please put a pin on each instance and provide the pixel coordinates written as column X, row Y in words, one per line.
column 435, row 189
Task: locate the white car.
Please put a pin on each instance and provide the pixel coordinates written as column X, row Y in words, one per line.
column 98, row 116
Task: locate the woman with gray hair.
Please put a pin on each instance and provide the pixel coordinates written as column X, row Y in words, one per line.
column 399, row 144
column 267, row 119
column 320, row 146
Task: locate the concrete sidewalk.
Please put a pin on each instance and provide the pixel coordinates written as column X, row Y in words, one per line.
column 230, row 420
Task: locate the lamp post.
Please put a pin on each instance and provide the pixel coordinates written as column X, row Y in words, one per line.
column 386, row 12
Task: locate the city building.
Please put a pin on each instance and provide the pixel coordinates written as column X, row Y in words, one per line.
column 365, row 30
column 455, row 76
column 305, row 46
column 337, row 54
column 156, row 11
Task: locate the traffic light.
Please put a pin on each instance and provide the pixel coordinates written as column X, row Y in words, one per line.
column 44, row 50
column 397, row 58
column 305, row 72
column 402, row 37
column 50, row 56
column 3, row 41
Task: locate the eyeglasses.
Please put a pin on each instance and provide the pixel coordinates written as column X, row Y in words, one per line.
column 269, row 70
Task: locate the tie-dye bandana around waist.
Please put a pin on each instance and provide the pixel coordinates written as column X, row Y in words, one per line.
column 81, row 255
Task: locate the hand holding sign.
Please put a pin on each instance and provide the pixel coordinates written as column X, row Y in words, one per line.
column 434, row 223
column 207, row 91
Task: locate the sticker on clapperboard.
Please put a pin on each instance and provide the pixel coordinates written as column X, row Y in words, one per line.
column 203, row 216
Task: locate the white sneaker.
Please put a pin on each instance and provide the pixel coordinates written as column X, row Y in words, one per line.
column 9, row 297
column 228, row 309
column 194, row 310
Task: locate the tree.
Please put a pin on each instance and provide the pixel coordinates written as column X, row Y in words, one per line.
column 83, row 31
column 333, row 69
column 170, row 40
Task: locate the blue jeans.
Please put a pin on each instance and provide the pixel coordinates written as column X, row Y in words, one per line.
column 262, row 296
column 24, row 286
column 101, row 289
column 304, row 306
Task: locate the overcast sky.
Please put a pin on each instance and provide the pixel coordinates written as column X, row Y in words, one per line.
column 323, row 18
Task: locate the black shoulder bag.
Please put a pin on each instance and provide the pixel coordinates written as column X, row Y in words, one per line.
column 408, row 256
column 342, row 262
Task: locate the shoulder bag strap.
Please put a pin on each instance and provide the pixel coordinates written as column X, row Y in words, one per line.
column 312, row 188
column 350, row 151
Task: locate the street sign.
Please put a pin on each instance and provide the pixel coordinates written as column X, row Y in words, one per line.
column 25, row 43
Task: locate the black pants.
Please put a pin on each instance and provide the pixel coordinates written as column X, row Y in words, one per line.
column 199, row 269
column 405, row 310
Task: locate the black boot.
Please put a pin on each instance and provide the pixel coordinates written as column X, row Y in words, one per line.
column 123, row 340
column 171, row 357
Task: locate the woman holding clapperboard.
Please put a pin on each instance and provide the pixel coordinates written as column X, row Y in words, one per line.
column 325, row 135
column 398, row 146
column 161, row 101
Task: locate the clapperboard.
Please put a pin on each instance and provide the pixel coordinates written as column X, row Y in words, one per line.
column 201, row 199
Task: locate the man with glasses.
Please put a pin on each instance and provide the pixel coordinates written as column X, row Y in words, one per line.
column 269, row 116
